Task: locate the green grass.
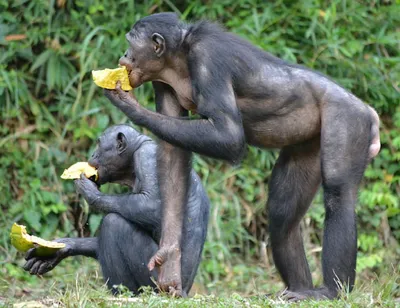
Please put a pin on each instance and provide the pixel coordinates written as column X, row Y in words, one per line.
column 78, row 283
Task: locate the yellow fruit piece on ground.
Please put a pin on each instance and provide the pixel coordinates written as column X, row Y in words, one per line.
column 75, row 171
column 22, row 241
column 107, row 78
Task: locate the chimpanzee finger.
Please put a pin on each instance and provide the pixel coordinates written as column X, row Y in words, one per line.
column 152, row 264
column 30, row 253
column 171, row 291
column 175, row 292
column 293, row 296
column 44, row 268
column 123, row 95
column 85, row 184
column 84, row 179
column 111, row 95
column 27, row 266
column 77, row 184
column 157, row 260
column 35, row 267
column 118, row 87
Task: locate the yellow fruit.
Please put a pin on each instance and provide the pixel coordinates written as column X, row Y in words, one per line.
column 107, row 78
column 22, row 241
column 75, row 171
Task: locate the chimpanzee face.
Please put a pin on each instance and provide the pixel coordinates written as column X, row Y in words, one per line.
column 144, row 58
column 110, row 158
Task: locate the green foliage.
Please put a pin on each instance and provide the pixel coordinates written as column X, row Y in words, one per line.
column 51, row 113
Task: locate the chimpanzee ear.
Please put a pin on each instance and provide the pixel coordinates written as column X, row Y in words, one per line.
column 121, row 143
column 158, row 44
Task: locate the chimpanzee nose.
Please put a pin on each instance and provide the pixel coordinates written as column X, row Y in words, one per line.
column 123, row 61
column 93, row 160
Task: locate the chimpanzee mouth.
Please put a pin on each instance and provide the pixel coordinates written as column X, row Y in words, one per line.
column 95, row 178
column 130, row 72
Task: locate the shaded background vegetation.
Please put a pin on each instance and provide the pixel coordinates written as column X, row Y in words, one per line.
column 51, row 113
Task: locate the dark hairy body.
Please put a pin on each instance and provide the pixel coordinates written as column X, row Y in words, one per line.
column 245, row 95
column 130, row 232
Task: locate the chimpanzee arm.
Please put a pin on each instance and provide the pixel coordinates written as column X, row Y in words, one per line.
column 144, row 207
column 36, row 265
column 86, row 246
column 219, row 134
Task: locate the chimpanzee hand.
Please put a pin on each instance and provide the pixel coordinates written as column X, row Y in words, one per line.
column 122, row 99
column 168, row 262
column 88, row 189
column 36, row 265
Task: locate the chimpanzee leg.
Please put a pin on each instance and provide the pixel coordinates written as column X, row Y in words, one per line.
column 293, row 184
column 124, row 250
column 345, row 142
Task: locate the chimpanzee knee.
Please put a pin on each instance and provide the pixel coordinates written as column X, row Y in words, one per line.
column 124, row 250
column 112, row 221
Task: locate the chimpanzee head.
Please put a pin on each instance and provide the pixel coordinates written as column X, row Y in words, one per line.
column 113, row 156
column 152, row 40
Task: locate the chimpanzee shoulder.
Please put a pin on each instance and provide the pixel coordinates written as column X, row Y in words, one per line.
column 211, row 44
column 212, row 37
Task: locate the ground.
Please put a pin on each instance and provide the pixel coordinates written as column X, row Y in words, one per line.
column 78, row 283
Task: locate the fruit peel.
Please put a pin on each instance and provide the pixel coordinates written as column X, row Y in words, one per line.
column 22, row 241
column 108, row 78
column 75, row 171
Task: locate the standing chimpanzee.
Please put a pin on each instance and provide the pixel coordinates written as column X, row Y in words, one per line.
column 245, row 95
column 130, row 232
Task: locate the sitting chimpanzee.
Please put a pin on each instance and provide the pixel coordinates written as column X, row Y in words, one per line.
column 130, row 232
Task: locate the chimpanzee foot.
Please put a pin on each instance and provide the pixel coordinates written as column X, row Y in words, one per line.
column 168, row 262
column 317, row 294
